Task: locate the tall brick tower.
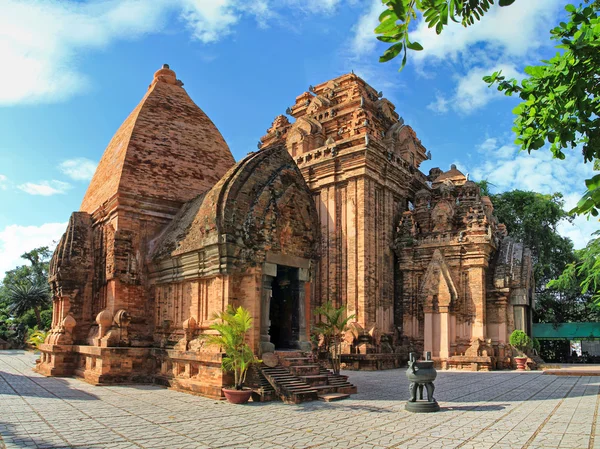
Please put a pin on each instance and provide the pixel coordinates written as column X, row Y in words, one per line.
column 165, row 153
column 361, row 162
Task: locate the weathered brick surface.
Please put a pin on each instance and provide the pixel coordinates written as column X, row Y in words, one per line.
column 166, row 149
column 213, row 252
column 461, row 276
column 361, row 163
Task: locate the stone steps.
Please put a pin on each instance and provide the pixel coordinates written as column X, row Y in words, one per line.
column 265, row 391
column 333, row 397
column 298, row 379
column 289, row 388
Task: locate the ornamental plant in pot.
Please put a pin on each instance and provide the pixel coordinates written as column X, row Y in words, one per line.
column 332, row 325
column 521, row 342
column 232, row 326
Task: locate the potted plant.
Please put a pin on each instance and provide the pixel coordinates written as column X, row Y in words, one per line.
column 521, row 342
column 232, row 327
column 332, row 325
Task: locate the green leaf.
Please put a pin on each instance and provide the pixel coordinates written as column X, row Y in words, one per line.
column 398, row 7
column 414, row 46
column 403, row 62
column 506, row 2
column 593, row 183
column 388, row 14
column 392, row 52
column 386, row 27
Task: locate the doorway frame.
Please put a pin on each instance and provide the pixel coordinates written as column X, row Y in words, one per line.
column 269, row 273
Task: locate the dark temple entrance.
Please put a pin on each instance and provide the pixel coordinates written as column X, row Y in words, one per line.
column 284, row 312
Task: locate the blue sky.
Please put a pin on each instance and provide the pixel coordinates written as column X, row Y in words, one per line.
column 72, row 72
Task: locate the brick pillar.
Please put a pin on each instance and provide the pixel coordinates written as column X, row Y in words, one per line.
column 502, row 327
column 477, row 286
column 444, row 333
column 265, row 308
column 428, row 332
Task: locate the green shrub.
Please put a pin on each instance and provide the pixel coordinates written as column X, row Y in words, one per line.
column 535, row 343
column 520, row 341
column 36, row 337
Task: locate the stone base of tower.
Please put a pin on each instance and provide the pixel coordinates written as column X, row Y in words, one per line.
column 96, row 365
column 100, row 366
column 469, row 363
column 373, row 362
column 56, row 360
column 198, row 373
column 190, row 371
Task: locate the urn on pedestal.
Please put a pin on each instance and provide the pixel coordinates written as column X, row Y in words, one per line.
column 421, row 375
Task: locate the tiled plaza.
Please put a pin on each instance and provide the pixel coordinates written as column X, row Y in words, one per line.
column 479, row 410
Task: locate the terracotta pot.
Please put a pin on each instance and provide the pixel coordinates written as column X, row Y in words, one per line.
column 521, row 363
column 237, row 396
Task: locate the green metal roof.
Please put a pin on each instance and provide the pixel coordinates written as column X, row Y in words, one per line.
column 570, row 331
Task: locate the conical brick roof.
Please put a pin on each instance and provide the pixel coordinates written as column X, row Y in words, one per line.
column 166, row 150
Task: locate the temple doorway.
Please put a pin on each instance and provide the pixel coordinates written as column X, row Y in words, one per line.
column 284, row 311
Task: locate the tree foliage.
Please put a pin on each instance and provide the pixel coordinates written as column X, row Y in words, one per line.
column 560, row 104
column 394, row 21
column 534, row 218
column 25, row 298
column 583, row 272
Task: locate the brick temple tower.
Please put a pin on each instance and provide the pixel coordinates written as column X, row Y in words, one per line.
column 361, row 162
column 166, row 152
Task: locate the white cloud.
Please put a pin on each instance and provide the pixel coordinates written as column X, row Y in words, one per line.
column 440, row 105
column 580, row 231
column 514, row 31
column 79, row 169
column 364, row 40
column 209, row 20
column 507, row 169
column 313, row 6
column 490, row 147
column 472, row 93
column 3, row 182
column 506, row 38
column 16, row 240
column 41, row 42
column 45, row 188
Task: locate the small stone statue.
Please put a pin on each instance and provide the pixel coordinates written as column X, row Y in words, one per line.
column 421, row 375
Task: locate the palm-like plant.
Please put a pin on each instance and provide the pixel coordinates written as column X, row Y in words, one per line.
column 37, row 338
column 232, row 326
column 27, row 296
column 332, row 325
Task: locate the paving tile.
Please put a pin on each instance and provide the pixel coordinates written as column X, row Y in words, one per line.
column 479, row 410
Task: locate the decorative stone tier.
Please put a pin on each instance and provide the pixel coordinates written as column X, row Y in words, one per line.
column 182, row 370
column 96, row 365
column 191, row 371
column 479, row 363
column 373, row 362
column 56, row 360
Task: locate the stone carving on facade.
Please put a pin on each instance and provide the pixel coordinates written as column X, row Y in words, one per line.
column 480, row 348
column 459, row 227
column 442, row 216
